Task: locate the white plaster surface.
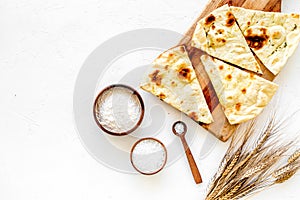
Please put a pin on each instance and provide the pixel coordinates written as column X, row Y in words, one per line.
column 43, row 44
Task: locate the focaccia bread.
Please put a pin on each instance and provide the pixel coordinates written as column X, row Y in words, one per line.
column 242, row 95
column 172, row 78
column 218, row 35
column 273, row 37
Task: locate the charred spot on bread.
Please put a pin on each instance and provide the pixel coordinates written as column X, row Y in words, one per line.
column 221, row 40
column 229, row 14
column 194, row 116
column 244, row 91
column 238, row 106
column 210, row 19
column 155, row 77
column 162, row 96
column 294, row 15
column 257, row 68
column 295, row 27
column 220, row 31
column 184, row 72
column 170, row 56
column 230, row 19
column 228, row 77
column 256, row 41
column 221, row 67
column 230, row 22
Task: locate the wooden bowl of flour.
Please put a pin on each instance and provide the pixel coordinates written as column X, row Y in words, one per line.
column 118, row 109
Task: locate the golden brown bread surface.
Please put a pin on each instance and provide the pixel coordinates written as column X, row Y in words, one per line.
column 272, row 36
column 242, row 95
column 219, row 35
column 172, row 79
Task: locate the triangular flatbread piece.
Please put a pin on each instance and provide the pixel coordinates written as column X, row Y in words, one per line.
column 273, row 37
column 218, row 35
column 242, row 95
column 172, row 78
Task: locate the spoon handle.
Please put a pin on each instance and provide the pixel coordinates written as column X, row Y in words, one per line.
column 191, row 160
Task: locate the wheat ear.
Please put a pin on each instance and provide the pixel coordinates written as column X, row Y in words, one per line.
column 294, row 156
column 285, row 172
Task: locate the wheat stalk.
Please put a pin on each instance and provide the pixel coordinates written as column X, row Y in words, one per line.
column 252, row 164
column 266, row 134
column 226, row 168
column 231, row 193
column 232, row 163
column 217, row 175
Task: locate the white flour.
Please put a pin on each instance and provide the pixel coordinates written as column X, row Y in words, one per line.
column 119, row 110
column 148, row 156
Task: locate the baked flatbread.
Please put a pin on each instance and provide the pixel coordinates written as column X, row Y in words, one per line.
column 218, row 35
column 172, row 78
column 242, row 95
column 273, row 37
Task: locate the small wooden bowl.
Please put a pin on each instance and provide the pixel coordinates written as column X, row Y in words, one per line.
column 97, row 110
column 153, row 171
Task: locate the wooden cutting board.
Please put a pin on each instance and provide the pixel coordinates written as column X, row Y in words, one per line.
column 221, row 127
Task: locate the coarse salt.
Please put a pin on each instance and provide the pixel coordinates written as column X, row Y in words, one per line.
column 149, row 156
column 179, row 128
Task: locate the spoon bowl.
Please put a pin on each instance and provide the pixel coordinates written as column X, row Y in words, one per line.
column 179, row 128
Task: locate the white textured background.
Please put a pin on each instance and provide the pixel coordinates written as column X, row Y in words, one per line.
column 43, row 44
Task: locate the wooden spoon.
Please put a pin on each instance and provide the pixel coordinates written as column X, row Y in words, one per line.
column 179, row 129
